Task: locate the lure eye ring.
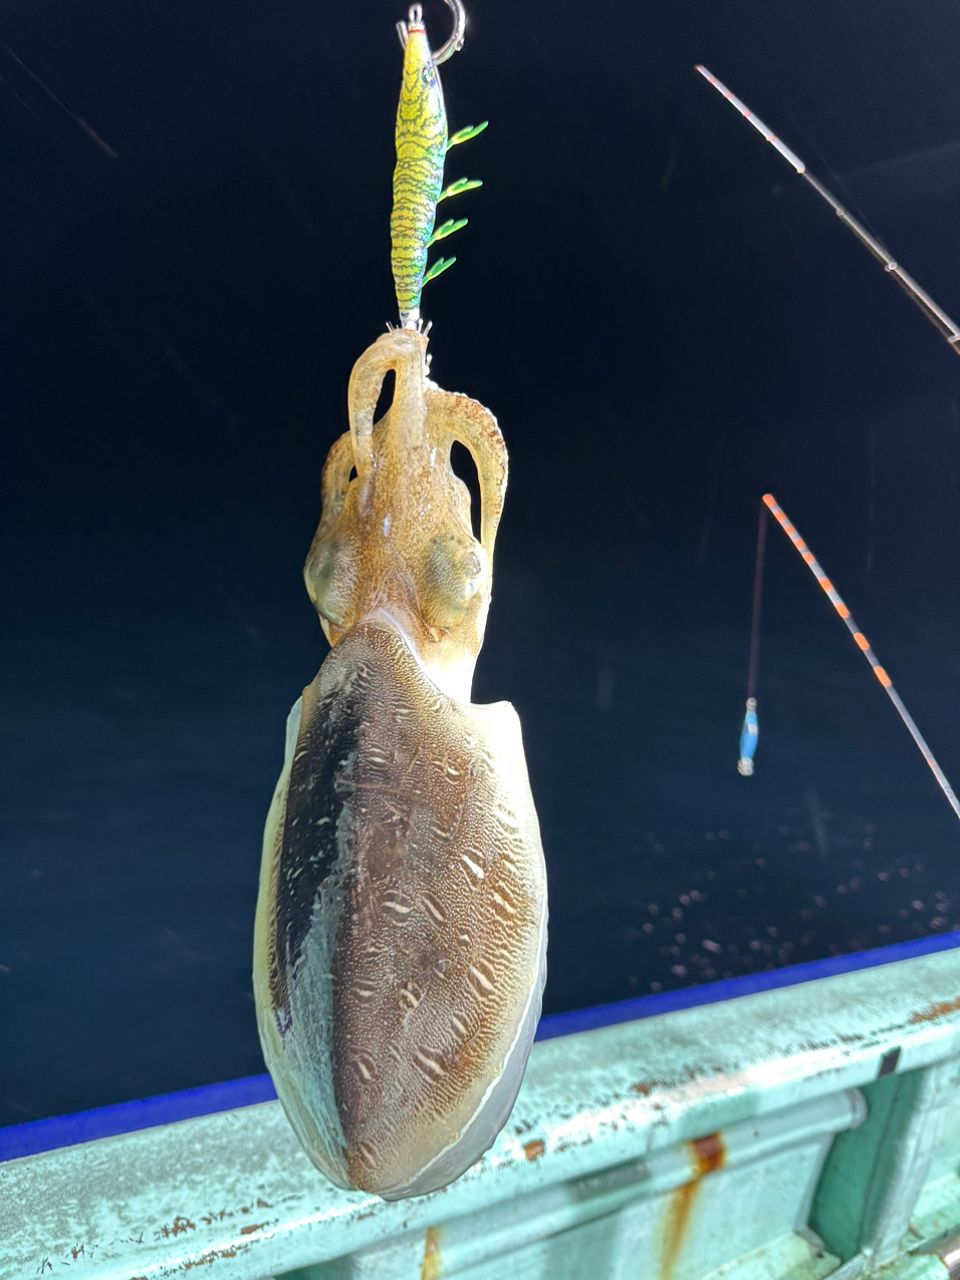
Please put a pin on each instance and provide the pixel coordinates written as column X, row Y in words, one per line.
column 455, row 41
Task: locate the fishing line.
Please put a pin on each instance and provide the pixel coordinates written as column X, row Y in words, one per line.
column 751, row 728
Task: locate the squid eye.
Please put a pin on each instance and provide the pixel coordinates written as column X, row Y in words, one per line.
column 330, row 575
column 429, row 74
column 453, row 574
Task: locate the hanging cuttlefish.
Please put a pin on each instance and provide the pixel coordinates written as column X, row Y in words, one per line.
column 399, row 952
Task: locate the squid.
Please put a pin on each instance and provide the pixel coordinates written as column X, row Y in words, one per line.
column 401, row 924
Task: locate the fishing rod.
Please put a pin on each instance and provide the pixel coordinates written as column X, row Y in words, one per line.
column 946, row 327
column 749, row 736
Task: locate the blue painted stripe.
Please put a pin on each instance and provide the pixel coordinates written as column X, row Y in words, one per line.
column 35, row 1136
column 608, row 1015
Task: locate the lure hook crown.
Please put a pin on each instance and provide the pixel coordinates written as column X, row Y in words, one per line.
column 455, row 41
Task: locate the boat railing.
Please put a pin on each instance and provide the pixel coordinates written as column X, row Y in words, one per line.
column 807, row 1131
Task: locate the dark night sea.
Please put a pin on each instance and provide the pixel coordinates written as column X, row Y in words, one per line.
column 667, row 324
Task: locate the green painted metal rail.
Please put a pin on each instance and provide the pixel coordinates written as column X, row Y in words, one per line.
column 801, row 1133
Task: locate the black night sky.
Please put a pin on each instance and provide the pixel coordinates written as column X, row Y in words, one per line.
column 194, row 210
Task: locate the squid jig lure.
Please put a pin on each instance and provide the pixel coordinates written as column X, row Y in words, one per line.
column 400, row 937
column 422, row 145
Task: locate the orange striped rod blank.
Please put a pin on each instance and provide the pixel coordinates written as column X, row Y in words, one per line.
column 863, row 644
column 944, row 325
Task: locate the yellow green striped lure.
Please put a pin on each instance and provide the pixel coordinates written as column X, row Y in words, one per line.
column 422, row 146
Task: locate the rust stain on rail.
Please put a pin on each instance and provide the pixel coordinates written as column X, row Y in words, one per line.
column 707, row 1154
column 213, row 1255
column 432, row 1262
column 934, row 1011
column 643, row 1087
column 178, row 1226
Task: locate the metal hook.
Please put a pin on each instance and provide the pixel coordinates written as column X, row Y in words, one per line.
column 454, row 43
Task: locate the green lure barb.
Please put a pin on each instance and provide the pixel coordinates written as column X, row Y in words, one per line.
column 422, row 146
